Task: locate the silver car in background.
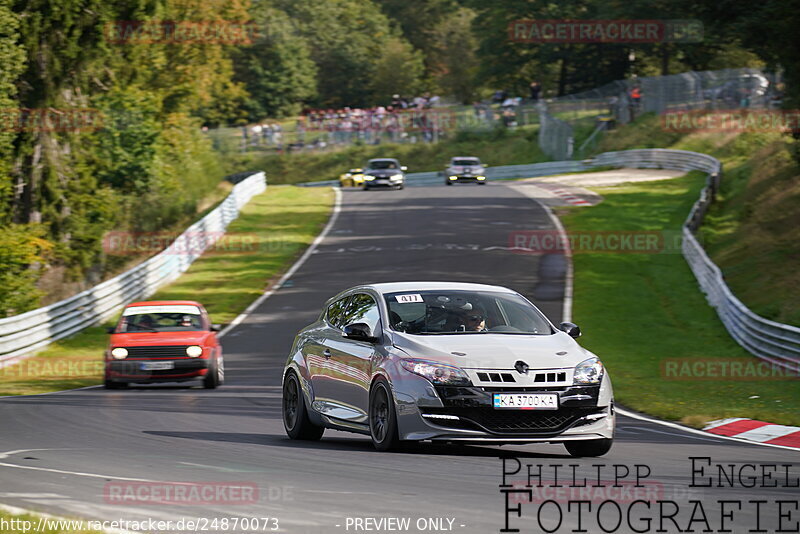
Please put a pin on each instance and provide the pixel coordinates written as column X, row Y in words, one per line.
column 465, row 169
column 443, row 361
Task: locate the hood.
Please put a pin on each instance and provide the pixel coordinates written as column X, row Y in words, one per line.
column 159, row 338
column 494, row 351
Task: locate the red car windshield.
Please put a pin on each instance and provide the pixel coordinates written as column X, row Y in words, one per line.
column 160, row 319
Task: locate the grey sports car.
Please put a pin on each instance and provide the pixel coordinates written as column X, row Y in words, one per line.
column 442, row 361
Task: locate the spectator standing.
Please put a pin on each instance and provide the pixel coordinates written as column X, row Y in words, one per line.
column 536, row 91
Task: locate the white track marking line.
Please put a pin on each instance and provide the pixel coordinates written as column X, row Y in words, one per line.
column 675, row 426
column 337, row 204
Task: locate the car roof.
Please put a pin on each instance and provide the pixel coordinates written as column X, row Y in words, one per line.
column 381, row 159
column 394, row 287
column 465, row 157
column 165, row 303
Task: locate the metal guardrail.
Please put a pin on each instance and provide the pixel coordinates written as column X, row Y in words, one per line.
column 774, row 342
column 23, row 334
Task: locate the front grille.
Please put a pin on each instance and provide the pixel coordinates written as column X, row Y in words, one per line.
column 513, row 421
column 496, row 377
column 158, row 351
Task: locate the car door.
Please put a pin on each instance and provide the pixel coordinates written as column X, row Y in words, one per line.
column 323, row 372
column 352, row 359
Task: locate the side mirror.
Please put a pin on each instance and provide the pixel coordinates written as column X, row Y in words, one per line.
column 111, row 329
column 403, row 168
column 359, row 332
column 216, row 327
column 571, row 329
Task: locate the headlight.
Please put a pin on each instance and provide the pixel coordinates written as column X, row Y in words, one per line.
column 481, row 177
column 397, row 176
column 437, row 373
column 194, row 351
column 588, row 372
column 368, row 178
column 119, row 353
column 454, row 177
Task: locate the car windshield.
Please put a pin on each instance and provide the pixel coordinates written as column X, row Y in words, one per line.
column 464, row 312
column 382, row 164
column 160, row 319
column 465, row 162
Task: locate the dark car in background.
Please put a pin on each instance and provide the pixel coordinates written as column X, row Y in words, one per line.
column 384, row 173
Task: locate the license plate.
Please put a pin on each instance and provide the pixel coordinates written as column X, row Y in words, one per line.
column 157, row 366
column 525, row 401
column 381, row 181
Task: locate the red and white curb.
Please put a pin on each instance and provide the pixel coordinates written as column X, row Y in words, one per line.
column 758, row 431
column 563, row 194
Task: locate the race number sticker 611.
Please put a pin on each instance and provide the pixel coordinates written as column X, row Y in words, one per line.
column 412, row 297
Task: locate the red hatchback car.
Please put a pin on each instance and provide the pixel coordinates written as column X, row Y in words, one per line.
column 164, row 341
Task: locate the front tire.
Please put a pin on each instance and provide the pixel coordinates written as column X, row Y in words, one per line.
column 110, row 384
column 216, row 374
column 382, row 417
column 589, row 448
column 295, row 415
column 448, row 182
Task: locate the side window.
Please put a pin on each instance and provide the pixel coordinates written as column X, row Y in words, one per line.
column 335, row 312
column 362, row 309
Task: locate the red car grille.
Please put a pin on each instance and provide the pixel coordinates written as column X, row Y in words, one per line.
column 158, row 351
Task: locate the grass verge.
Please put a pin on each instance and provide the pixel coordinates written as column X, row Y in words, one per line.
column 752, row 231
column 270, row 233
column 644, row 315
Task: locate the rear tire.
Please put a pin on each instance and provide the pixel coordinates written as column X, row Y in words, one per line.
column 382, row 417
column 448, row 182
column 588, row 448
column 295, row 415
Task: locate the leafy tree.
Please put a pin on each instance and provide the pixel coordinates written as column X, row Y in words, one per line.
column 399, row 70
column 12, row 58
column 277, row 70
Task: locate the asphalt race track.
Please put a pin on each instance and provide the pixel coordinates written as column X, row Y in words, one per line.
column 66, row 453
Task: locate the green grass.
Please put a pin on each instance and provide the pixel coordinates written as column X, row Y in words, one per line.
column 271, row 232
column 639, row 311
column 752, row 231
column 496, row 147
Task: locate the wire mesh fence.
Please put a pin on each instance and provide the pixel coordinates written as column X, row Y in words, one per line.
column 621, row 101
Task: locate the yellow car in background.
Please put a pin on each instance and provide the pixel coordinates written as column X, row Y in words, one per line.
column 352, row 178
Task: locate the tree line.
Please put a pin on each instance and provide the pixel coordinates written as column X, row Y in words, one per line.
column 133, row 156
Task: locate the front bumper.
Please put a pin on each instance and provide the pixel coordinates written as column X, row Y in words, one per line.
column 384, row 182
column 467, row 414
column 466, row 178
column 132, row 370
